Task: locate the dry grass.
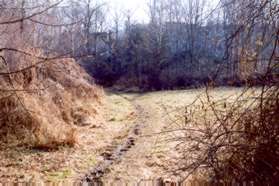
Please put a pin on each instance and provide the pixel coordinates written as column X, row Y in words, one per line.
column 49, row 102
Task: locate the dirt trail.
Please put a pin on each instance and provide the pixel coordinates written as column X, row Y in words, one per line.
column 131, row 159
column 135, row 163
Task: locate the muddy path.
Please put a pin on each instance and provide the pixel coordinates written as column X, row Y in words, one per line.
column 131, row 159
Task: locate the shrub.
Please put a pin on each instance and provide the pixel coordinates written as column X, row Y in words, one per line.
column 232, row 140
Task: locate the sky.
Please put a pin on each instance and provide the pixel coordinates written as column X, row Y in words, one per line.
column 137, row 8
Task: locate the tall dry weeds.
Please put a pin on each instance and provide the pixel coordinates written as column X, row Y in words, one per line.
column 42, row 106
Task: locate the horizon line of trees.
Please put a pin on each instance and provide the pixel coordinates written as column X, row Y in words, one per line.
column 185, row 44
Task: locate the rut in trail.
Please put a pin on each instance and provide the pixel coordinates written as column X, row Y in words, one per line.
column 115, row 153
column 140, row 163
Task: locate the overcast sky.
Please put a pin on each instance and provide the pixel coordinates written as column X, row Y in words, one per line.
column 138, row 8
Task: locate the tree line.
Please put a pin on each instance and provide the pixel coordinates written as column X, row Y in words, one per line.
column 185, row 43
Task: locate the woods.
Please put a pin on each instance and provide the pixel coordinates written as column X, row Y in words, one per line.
column 187, row 44
column 183, row 44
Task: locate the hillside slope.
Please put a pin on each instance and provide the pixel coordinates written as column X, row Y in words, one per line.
column 43, row 106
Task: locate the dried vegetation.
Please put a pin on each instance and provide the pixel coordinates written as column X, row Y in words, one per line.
column 231, row 138
column 42, row 106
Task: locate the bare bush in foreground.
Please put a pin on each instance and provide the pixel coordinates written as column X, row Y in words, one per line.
column 232, row 141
